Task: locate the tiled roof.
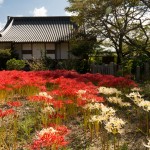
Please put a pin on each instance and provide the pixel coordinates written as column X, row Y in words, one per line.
column 37, row 29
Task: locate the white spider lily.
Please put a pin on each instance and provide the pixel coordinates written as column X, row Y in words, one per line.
column 108, row 91
column 148, row 144
column 44, row 94
column 118, row 100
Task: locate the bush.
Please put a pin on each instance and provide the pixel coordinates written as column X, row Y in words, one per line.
column 80, row 65
column 5, row 55
column 36, row 64
column 14, row 64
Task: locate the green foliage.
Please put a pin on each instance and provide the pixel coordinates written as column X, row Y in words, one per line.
column 49, row 63
column 140, row 60
column 14, row 64
column 124, row 147
column 4, row 56
column 127, row 67
column 113, row 22
column 135, row 59
column 80, row 65
column 36, row 64
column 45, row 63
column 51, row 86
column 26, row 127
column 82, row 45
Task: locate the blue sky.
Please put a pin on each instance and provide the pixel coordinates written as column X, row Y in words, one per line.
column 31, row 8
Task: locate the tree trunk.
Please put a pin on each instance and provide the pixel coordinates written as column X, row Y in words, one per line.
column 119, row 56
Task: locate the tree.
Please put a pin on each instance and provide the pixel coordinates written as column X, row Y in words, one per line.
column 122, row 23
column 5, row 54
column 146, row 2
column 82, row 45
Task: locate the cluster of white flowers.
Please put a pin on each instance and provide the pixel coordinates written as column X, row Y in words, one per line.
column 148, row 144
column 106, row 113
column 48, row 109
column 93, row 106
column 45, row 94
column 118, row 100
column 135, row 89
column 134, row 95
column 46, row 130
column 108, row 91
column 145, row 105
column 97, row 118
column 139, row 101
column 80, row 92
column 112, row 124
column 115, row 125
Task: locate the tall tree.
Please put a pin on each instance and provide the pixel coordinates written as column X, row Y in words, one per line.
column 146, row 2
column 121, row 22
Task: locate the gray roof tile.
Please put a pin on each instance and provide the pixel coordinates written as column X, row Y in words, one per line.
column 37, row 29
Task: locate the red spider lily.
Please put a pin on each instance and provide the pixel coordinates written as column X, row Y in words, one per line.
column 56, row 93
column 19, row 79
column 92, row 98
column 62, row 130
column 39, row 99
column 81, row 102
column 14, row 104
column 49, row 137
column 56, row 115
column 58, row 104
column 36, row 98
column 48, row 140
column 68, row 102
column 6, row 112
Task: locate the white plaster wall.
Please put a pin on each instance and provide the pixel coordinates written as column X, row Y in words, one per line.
column 27, row 46
column 38, row 50
column 58, row 52
column 64, row 50
column 50, row 46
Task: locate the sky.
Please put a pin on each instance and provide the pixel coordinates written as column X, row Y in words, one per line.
column 31, row 8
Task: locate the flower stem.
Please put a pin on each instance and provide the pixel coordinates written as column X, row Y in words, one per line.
column 114, row 142
column 147, row 120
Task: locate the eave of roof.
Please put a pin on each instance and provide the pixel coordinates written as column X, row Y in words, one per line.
column 37, row 29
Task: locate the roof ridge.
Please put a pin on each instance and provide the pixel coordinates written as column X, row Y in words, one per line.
column 39, row 17
column 7, row 27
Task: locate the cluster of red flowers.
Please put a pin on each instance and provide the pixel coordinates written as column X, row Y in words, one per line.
column 51, row 137
column 6, row 112
column 56, row 115
column 11, row 80
column 68, row 89
column 14, row 103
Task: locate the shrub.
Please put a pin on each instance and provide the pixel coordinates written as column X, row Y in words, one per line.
column 36, row 64
column 14, row 64
column 5, row 55
column 80, row 65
